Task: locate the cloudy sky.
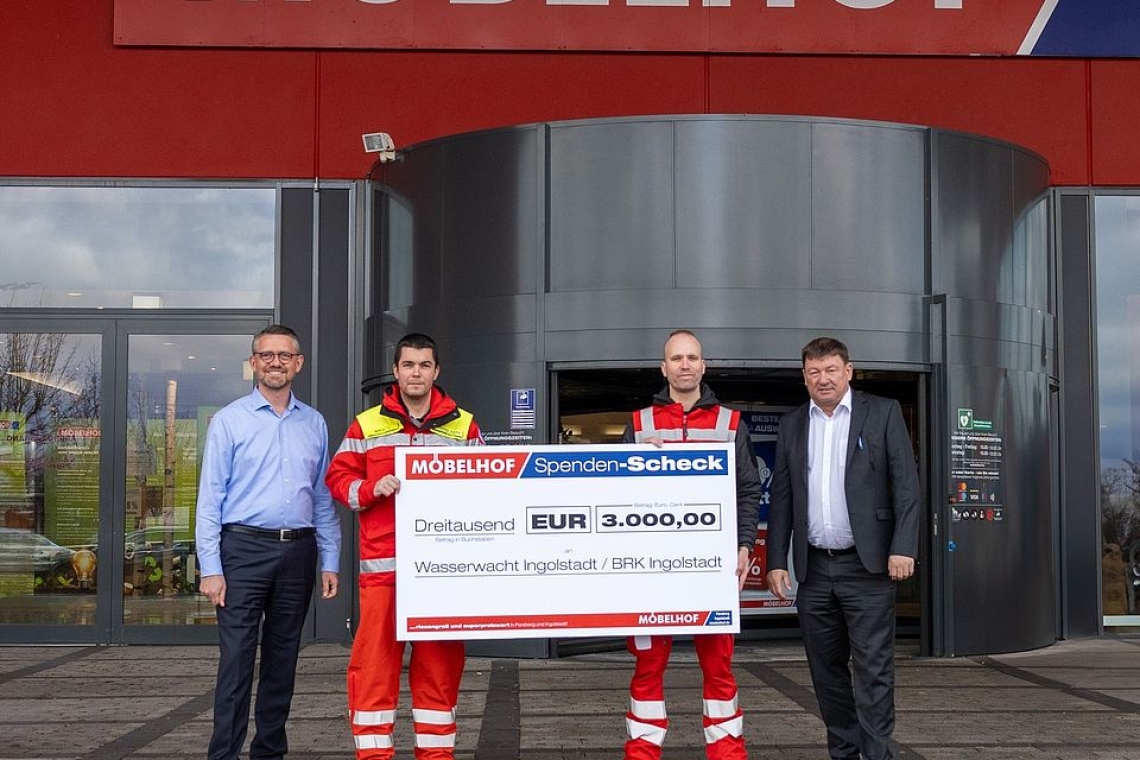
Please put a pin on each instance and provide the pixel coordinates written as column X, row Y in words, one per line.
column 1118, row 324
column 101, row 246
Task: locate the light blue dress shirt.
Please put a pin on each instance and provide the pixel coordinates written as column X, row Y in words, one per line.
column 266, row 471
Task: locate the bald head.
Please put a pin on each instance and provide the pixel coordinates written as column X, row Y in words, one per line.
column 683, row 365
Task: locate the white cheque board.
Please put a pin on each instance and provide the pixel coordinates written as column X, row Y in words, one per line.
column 558, row 541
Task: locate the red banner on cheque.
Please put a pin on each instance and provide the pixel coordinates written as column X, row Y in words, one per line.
column 554, row 622
column 464, row 464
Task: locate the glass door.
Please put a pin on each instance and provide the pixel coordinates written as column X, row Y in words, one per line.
column 51, row 453
column 102, row 424
column 176, row 377
column 174, row 384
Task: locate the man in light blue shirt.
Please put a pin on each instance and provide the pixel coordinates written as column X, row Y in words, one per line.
column 263, row 514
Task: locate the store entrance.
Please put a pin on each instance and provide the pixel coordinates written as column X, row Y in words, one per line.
column 104, row 420
column 594, row 405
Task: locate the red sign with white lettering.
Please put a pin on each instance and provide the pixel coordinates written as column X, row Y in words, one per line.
column 437, row 465
column 926, row 27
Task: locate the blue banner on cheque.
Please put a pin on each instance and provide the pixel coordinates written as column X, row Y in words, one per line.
column 606, row 464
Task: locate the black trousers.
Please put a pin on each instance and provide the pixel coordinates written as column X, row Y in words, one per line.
column 847, row 616
column 269, row 585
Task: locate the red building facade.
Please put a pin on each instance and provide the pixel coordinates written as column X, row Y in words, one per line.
column 274, row 95
column 78, row 105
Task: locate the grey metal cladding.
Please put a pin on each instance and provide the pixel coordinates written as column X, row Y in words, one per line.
column 1002, row 572
column 743, row 193
column 759, row 232
column 490, row 199
column 470, row 316
column 716, row 222
column 1031, row 230
column 868, row 208
column 611, row 206
column 418, row 183
column 974, row 221
column 731, row 308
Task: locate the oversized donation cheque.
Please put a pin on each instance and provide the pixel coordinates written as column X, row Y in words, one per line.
column 559, row 541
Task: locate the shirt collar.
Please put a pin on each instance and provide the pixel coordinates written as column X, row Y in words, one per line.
column 259, row 401
column 844, row 403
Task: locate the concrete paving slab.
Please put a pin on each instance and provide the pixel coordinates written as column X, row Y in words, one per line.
column 1127, row 695
column 1093, row 678
column 1026, row 753
column 65, row 740
column 1076, row 700
column 1009, row 699
column 965, row 728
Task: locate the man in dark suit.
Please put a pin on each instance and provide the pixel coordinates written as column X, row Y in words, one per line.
column 845, row 488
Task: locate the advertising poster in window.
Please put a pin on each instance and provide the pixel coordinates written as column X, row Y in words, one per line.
column 764, row 428
column 15, row 576
column 71, row 482
column 12, row 467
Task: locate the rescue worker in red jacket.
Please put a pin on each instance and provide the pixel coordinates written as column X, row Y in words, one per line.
column 687, row 410
column 361, row 475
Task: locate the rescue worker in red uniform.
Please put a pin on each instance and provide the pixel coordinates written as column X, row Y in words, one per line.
column 361, row 475
column 687, row 410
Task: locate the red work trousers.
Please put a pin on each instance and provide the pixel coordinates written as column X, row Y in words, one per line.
column 647, row 722
column 434, row 672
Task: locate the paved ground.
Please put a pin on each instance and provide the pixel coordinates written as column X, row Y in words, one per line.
column 1077, row 700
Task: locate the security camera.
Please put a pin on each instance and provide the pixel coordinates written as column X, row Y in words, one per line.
column 378, row 142
column 381, row 144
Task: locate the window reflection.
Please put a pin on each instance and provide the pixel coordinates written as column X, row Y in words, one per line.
column 50, row 434
column 136, row 247
column 400, row 279
column 1118, row 342
column 176, row 383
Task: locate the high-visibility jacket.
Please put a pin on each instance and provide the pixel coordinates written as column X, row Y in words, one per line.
column 368, row 453
column 707, row 420
column 671, row 423
column 647, row 721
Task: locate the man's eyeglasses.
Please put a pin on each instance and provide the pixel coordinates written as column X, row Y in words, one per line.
column 267, row 356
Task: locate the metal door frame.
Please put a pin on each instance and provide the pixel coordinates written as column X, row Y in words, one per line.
column 115, row 327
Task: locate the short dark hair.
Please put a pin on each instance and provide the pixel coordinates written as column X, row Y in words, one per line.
column 821, row 348
column 275, row 330
column 418, row 341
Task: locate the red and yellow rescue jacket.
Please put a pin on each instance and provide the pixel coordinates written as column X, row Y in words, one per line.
column 368, row 453
column 668, row 422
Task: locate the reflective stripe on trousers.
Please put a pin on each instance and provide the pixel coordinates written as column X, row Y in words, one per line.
column 383, row 565
column 435, row 729
column 372, row 732
column 647, row 722
column 435, row 669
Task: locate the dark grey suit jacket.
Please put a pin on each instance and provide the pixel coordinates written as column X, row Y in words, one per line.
column 881, row 484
